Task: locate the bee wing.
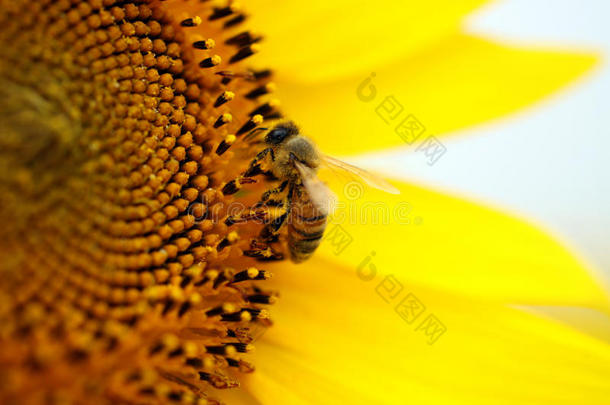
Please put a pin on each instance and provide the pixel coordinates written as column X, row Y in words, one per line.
column 321, row 196
column 369, row 178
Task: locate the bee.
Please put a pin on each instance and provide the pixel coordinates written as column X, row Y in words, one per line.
column 302, row 202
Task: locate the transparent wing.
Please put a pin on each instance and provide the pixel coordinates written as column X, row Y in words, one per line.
column 321, row 196
column 369, row 178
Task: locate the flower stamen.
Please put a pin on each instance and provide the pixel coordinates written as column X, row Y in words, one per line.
column 122, row 281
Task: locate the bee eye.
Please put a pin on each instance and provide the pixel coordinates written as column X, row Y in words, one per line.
column 276, row 135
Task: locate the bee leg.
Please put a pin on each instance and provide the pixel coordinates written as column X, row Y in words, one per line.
column 261, row 247
column 270, row 232
column 262, row 214
column 252, row 214
column 259, row 211
column 268, row 236
column 235, row 185
column 278, row 222
column 262, row 251
column 254, row 169
column 267, row 195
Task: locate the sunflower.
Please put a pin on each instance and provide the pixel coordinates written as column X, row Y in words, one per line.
column 125, row 127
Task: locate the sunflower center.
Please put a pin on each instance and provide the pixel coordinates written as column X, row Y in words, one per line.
column 121, row 122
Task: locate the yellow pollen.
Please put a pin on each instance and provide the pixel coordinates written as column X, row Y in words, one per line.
column 252, row 272
column 233, row 237
column 195, row 298
column 230, row 350
column 208, row 363
column 255, row 48
column 170, row 341
column 190, row 349
column 212, row 274
column 210, row 43
column 226, row 117
column 230, row 139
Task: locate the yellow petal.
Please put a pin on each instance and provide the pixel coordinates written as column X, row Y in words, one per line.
column 591, row 321
column 337, row 339
column 452, row 244
column 460, row 82
column 321, row 39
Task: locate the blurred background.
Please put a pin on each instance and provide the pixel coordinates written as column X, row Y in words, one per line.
column 549, row 163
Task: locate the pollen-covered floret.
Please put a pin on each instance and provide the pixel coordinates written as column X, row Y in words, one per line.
column 120, row 124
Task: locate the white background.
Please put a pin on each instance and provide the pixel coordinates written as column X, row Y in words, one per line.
column 549, row 163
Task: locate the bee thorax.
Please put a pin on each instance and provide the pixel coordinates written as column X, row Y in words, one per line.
column 300, row 148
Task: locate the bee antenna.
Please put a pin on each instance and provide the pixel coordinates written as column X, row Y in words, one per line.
column 250, row 134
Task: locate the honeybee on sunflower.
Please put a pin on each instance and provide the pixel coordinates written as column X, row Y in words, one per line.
column 127, row 129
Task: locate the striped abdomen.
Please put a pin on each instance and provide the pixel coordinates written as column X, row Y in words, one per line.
column 305, row 229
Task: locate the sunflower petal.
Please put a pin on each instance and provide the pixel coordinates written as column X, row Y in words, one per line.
column 593, row 322
column 351, row 345
column 451, row 244
column 329, row 39
column 462, row 81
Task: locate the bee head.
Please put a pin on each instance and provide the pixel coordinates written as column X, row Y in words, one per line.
column 281, row 132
